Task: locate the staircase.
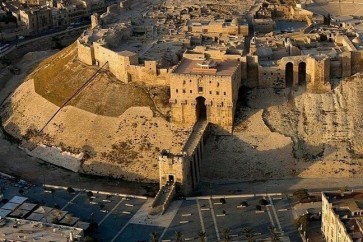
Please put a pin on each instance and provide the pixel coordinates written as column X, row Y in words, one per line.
column 164, row 196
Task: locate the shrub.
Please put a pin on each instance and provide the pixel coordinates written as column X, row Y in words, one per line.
column 70, row 190
column 263, row 202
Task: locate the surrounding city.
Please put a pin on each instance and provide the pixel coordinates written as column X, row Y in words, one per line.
column 179, row 120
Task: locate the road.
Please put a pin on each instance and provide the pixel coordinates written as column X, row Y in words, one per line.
column 44, row 34
column 278, row 185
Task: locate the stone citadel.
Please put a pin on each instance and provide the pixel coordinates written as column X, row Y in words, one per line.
column 206, row 52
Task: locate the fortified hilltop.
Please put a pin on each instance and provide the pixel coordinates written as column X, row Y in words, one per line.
column 169, row 75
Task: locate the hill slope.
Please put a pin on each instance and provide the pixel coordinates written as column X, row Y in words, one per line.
column 111, row 128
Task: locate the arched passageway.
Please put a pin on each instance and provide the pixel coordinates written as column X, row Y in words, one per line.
column 302, row 74
column 201, row 109
column 289, row 74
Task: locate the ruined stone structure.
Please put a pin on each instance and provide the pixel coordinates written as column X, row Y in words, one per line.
column 308, row 60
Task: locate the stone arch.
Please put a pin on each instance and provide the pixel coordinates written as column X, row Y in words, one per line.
column 200, row 109
column 289, row 74
column 302, row 74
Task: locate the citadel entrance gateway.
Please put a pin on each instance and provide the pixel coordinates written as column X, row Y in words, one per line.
column 200, row 109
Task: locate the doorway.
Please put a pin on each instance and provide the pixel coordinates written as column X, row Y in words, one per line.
column 302, row 74
column 201, row 109
column 289, row 74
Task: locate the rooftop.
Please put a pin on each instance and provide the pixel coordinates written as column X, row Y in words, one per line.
column 349, row 207
column 195, row 67
column 23, row 230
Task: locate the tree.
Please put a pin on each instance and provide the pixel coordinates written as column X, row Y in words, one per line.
column 55, row 220
column 301, row 222
column 327, row 19
column 154, row 237
column 263, row 202
column 202, row 236
column 89, row 194
column 244, row 204
column 52, row 192
column 273, row 234
column 300, row 195
column 21, row 191
column 89, row 238
column 92, row 227
column 68, row 219
column 178, row 236
column 226, row 233
column 343, row 190
column 70, row 190
column 249, row 234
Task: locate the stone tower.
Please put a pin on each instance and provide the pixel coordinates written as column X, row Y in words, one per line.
column 95, row 20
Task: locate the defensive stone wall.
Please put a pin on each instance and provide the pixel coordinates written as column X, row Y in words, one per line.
column 184, row 169
column 176, row 167
column 271, row 77
column 124, row 65
column 344, row 41
column 56, row 156
column 85, row 53
column 357, row 61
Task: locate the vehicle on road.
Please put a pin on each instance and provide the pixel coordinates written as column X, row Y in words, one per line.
column 4, row 48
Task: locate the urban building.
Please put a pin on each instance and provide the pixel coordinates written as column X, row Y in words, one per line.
column 342, row 216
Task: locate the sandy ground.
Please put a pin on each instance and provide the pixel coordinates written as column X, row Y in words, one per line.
column 292, row 134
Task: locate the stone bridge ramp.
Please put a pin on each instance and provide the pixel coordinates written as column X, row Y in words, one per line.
column 163, row 198
column 195, row 137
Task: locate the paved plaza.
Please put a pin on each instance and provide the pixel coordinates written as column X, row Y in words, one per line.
column 119, row 216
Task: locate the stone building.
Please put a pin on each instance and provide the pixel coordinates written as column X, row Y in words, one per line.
column 184, row 168
column 60, row 17
column 36, row 19
column 205, row 88
column 342, row 216
column 33, row 2
column 216, row 28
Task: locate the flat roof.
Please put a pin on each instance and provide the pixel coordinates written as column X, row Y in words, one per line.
column 24, row 230
column 43, row 210
column 4, row 212
column 35, row 216
column 191, row 66
column 28, row 206
column 19, row 213
column 18, row 199
column 10, row 206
